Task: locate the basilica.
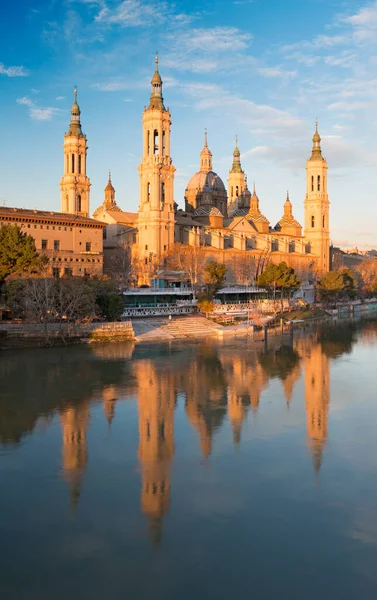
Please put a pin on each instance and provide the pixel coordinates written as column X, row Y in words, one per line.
column 227, row 222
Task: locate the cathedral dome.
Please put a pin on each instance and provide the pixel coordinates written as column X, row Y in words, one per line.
column 206, row 181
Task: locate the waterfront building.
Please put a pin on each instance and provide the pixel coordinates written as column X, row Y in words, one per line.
column 72, row 242
column 228, row 224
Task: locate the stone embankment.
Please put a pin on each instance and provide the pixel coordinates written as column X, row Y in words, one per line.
column 14, row 335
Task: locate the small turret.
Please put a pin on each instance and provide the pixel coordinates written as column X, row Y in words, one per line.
column 206, row 156
column 316, row 150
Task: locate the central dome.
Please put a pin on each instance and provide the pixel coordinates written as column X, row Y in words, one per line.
column 206, row 181
column 206, row 187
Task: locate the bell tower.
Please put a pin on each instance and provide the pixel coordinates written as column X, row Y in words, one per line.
column 75, row 185
column 236, row 182
column 317, row 229
column 156, row 209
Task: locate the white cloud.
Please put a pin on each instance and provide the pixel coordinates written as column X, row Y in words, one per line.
column 60, row 98
column 38, row 113
column 276, row 72
column 13, row 71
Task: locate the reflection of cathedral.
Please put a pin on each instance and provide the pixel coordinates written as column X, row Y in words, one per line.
column 216, row 383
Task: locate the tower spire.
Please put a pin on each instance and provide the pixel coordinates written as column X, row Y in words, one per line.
column 316, row 150
column 236, row 166
column 156, row 100
column 75, row 124
column 206, row 156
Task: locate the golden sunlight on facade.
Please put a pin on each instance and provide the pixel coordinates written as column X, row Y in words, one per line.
column 228, row 223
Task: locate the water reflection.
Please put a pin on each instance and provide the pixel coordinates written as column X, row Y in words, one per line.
column 216, row 383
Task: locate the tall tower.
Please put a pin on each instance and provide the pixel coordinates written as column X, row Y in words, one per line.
column 156, row 171
column 75, row 185
column 237, row 185
column 317, row 228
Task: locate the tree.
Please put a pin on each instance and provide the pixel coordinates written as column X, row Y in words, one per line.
column 214, row 278
column 206, row 306
column 367, row 271
column 17, row 253
column 244, row 268
column 335, row 284
column 190, row 260
column 109, row 302
column 123, row 266
column 48, row 300
column 279, row 277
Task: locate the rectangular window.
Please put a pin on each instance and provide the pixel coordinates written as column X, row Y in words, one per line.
column 104, row 233
column 319, row 183
column 28, row 226
column 88, row 246
column 146, row 247
column 73, row 163
column 47, row 227
column 79, row 163
column 165, row 248
column 67, row 272
column 56, row 245
column 44, row 244
column 55, row 272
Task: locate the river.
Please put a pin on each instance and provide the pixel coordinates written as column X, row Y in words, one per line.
column 198, row 470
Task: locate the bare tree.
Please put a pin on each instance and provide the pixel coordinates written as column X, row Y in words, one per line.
column 244, row 268
column 123, row 266
column 190, row 260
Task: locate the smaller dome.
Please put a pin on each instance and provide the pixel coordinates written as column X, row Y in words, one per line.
column 109, row 187
column 236, row 152
column 207, row 211
column 156, row 75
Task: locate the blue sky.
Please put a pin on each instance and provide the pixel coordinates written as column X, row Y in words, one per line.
column 262, row 69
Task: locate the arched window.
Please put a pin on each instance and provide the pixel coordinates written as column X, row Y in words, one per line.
column 236, row 191
column 319, row 183
column 162, row 192
column 148, row 192
column 323, row 221
column 312, row 183
column 155, row 141
column 67, row 164
column 73, row 163
column 79, row 163
column 78, row 203
column 313, row 221
column 149, row 142
column 163, row 142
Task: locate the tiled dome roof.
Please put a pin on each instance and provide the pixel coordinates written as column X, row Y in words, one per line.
column 206, row 210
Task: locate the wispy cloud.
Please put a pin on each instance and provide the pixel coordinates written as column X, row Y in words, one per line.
column 139, row 13
column 276, row 72
column 204, row 50
column 38, row 113
column 13, row 71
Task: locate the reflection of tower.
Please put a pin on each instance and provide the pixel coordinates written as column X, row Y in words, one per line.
column 317, row 398
column 109, row 401
column 237, row 411
column 75, row 422
column 156, row 402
